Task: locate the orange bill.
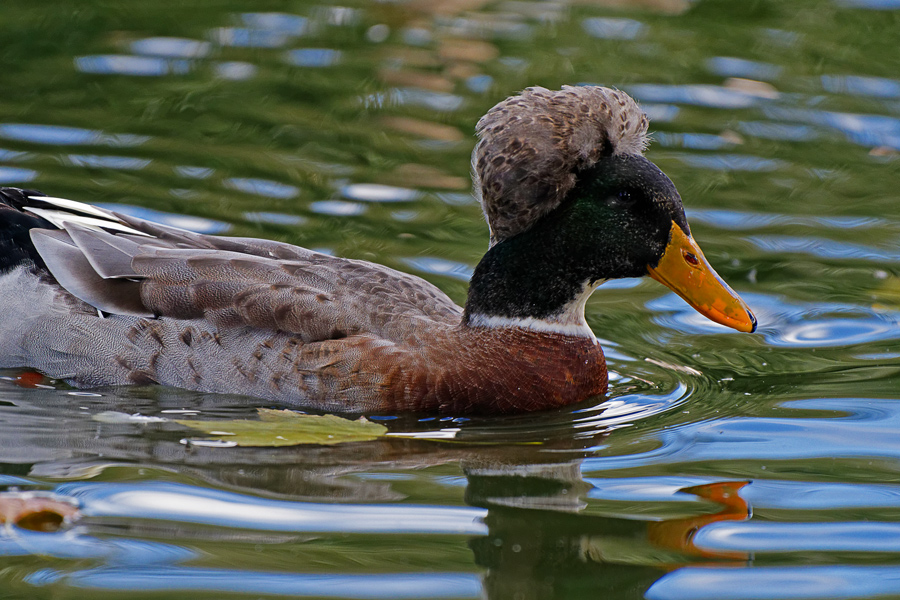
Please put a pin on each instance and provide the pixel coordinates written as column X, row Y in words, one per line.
column 685, row 271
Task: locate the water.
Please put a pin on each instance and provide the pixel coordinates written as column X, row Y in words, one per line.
column 721, row 465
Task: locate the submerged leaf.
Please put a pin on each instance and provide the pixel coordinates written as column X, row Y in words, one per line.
column 287, row 428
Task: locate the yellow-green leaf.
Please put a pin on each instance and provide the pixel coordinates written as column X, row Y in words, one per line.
column 287, row 428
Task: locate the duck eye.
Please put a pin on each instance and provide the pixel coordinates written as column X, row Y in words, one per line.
column 622, row 198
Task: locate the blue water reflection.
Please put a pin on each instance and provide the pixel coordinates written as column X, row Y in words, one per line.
column 821, row 495
column 437, row 101
column 699, row 95
column 69, row 545
column 696, row 141
column 755, row 583
column 626, row 409
column 780, row 537
column 337, row 208
column 857, row 85
column 416, row 36
column 242, row 37
column 313, row 57
column 480, row 84
column 822, row 248
column 789, row 324
column 235, row 70
column 762, row 494
column 191, row 223
column 737, row 220
column 613, row 29
column 190, row 504
column 171, row 47
column 16, row 175
column 374, row 192
column 863, row 129
column 284, row 23
column 660, row 113
column 57, row 135
column 728, row 66
column 778, row 131
column 13, row 155
column 869, row 430
column 274, row 218
column 440, row 266
column 508, row 26
column 872, row 4
column 141, row 66
column 731, row 162
column 387, row 586
column 645, row 489
column 96, row 161
column 194, row 172
column 263, row 187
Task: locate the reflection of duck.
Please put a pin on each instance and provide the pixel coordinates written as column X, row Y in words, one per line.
column 101, row 298
column 678, row 534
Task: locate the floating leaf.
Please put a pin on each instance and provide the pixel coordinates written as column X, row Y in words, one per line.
column 36, row 511
column 286, row 428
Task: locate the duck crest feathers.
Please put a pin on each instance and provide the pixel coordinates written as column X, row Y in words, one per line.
column 532, row 145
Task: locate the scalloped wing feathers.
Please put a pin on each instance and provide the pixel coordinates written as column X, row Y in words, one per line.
column 234, row 282
column 531, row 145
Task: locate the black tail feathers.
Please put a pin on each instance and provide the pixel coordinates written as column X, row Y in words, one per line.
column 16, row 247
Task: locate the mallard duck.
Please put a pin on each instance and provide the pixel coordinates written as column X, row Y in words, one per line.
column 99, row 298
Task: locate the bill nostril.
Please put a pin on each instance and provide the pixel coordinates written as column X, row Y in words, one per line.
column 691, row 259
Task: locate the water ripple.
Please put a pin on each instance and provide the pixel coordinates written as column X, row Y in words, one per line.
column 878, row 87
column 791, row 324
column 374, row 192
column 868, row 431
column 284, row 23
column 244, row 37
column 737, row 220
column 778, row 131
column 731, row 162
column 823, row 248
column 69, row 545
column 385, row 586
column 96, row 161
column 440, row 266
column 313, row 57
column 756, row 583
column 16, row 175
column 171, row 47
column 57, row 135
column 263, row 187
column 862, row 129
column 614, row 29
column 771, row 537
column 762, row 494
column 191, row 223
column 729, row 66
column 142, row 66
column 699, row 95
column 188, row 504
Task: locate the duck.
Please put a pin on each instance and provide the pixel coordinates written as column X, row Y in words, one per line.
column 99, row 298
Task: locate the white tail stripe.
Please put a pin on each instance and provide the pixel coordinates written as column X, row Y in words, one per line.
column 72, row 205
column 60, row 218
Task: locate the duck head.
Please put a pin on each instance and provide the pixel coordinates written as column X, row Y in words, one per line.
column 571, row 202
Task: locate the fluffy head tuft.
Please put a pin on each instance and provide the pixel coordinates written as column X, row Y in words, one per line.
column 532, row 145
